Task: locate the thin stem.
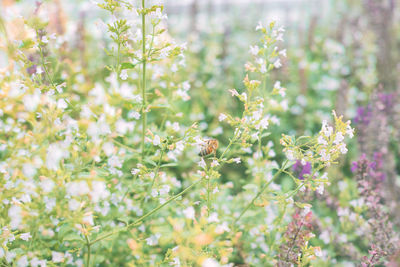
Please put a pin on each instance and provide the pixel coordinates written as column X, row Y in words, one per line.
column 227, row 148
column 43, row 62
column 146, row 215
column 88, row 244
column 260, row 192
column 295, row 191
column 118, row 55
column 208, row 197
column 155, row 176
column 293, row 242
column 124, row 146
column 144, row 76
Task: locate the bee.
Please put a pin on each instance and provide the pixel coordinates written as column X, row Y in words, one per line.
column 209, row 147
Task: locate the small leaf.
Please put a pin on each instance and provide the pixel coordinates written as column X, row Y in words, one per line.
column 172, row 164
column 127, row 65
column 72, row 237
column 252, row 187
column 151, row 162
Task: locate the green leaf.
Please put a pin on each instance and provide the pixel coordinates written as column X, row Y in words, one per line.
column 127, row 65
column 125, row 220
column 172, row 164
column 73, row 237
column 151, row 162
column 252, row 187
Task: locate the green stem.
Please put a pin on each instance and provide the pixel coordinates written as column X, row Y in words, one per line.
column 146, row 215
column 144, row 76
column 43, row 62
column 294, row 191
column 155, row 176
column 208, row 197
column 88, row 244
column 124, row 146
column 118, row 55
column 260, row 192
column 227, row 148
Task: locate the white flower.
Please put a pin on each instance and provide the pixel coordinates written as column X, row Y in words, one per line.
column 349, row 130
column 25, row 236
column 108, row 148
column 338, row 138
column 133, row 114
column 47, row 185
column 213, row 217
column 320, row 189
column 277, row 85
column 153, row 239
column 254, row 50
column 290, row 154
column 259, row 26
column 175, row 262
column 99, row 191
column 283, row 53
column 57, row 257
column 306, row 209
column 156, row 140
column 15, row 213
column 222, row 117
column 342, row 147
column 31, row 101
column 45, row 39
column 263, row 68
column 189, row 212
column 164, row 189
column 214, row 163
column 220, row 229
column 321, row 140
column 122, row 126
column 39, row 70
column 202, row 163
column 264, row 123
column 233, row 92
column 210, row 263
column 154, row 192
column 61, row 104
column 10, row 256
column 324, row 155
column 88, row 219
column 277, row 64
column 327, row 130
column 135, row 171
column 29, row 170
column 123, row 75
column 23, row 261
column 73, row 204
column 280, row 89
column 236, row 160
column 317, row 251
column 325, row 237
column 35, row 262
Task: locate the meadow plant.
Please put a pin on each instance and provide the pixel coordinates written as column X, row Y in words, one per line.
column 105, row 170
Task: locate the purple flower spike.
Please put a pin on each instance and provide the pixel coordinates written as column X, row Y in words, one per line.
column 301, row 170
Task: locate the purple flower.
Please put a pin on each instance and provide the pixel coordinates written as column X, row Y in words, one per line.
column 301, row 170
column 364, row 115
column 385, row 101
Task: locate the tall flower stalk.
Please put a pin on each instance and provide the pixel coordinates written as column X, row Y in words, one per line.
column 144, row 61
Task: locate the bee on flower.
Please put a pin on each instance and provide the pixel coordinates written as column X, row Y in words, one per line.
column 210, row 146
